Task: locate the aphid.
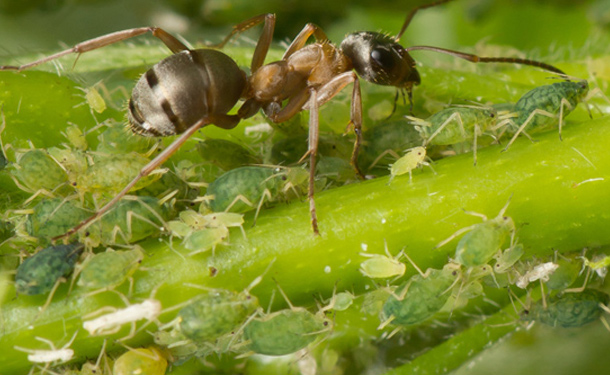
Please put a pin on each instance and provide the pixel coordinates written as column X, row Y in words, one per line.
column 52, row 356
column 565, row 274
column 285, row 331
column 148, row 361
column 42, row 271
column 112, row 322
column 483, row 240
column 420, row 297
column 216, row 313
column 52, row 217
column 247, row 188
column 340, row 301
column 38, row 173
column 109, row 174
column 94, row 99
column 76, row 137
column 546, row 105
column 506, row 259
column 569, row 309
column 540, row 272
column 456, row 125
column 225, row 154
column 408, row 162
column 382, row 266
column 107, row 270
column 132, row 219
column 385, row 141
column 598, row 264
column 308, row 76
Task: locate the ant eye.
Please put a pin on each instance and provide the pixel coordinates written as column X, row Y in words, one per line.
column 383, row 57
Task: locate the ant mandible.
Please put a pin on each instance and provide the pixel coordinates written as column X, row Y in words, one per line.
column 197, row 87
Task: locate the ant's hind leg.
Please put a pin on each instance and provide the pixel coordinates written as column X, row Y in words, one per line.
column 102, row 41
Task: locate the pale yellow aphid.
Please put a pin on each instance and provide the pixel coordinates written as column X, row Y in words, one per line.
column 379, row 266
column 414, row 158
column 143, row 361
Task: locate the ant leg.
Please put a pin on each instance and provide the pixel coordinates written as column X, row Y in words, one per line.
column 264, row 42
column 148, row 168
column 410, row 16
column 477, row 59
column 314, row 132
column 102, row 41
column 299, row 41
column 332, row 88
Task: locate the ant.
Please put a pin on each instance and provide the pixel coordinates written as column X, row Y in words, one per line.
column 194, row 88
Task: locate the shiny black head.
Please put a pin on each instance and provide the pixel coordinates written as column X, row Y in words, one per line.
column 379, row 59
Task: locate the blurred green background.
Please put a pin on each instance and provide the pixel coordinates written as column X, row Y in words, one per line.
column 551, row 30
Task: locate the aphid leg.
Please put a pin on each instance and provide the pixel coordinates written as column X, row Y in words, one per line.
column 564, row 103
column 129, row 217
column 528, row 120
column 164, row 155
column 49, row 299
column 102, row 41
column 454, row 117
column 454, row 235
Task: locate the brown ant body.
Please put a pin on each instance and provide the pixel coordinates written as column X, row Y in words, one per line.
column 194, row 88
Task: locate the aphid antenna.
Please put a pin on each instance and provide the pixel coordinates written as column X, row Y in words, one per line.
column 284, row 294
column 422, row 274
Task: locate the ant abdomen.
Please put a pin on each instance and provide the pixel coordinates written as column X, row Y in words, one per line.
column 184, row 88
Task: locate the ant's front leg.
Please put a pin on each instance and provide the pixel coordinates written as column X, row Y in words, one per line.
column 105, row 40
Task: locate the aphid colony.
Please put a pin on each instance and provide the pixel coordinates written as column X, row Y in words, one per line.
column 77, row 179
column 199, row 203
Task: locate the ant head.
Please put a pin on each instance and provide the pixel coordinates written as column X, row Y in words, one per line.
column 379, row 59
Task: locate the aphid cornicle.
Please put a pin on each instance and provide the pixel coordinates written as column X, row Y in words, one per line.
column 194, row 88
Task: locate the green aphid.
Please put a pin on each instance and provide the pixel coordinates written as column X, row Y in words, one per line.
column 205, row 239
column 289, row 151
column 284, row 332
column 39, row 273
column 244, row 189
column 507, row 259
column 118, row 139
column 422, row 296
column 130, row 220
column 104, row 271
column 53, row 217
column 564, row 276
column 111, row 173
column 225, row 154
column 456, row 125
column 215, row 314
column 36, row 170
column 483, row 241
column 547, row 105
column 569, row 309
column 383, row 140
column 148, row 361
